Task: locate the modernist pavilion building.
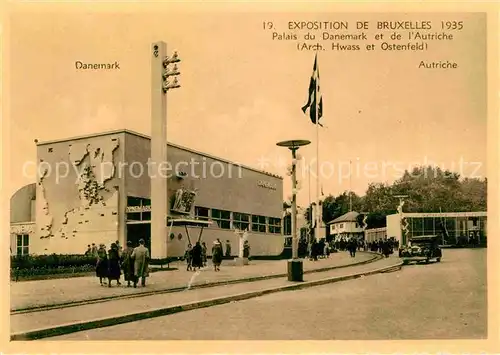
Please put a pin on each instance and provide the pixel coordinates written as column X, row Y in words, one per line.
column 96, row 189
column 455, row 228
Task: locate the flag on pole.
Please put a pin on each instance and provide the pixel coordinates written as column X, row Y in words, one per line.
column 314, row 100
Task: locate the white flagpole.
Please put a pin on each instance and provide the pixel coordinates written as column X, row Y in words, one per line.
column 317, row 150
column 350, row 186
column 309, row 183
column 309, row 228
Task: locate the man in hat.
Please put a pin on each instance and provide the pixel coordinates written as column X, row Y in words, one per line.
column 141, row 257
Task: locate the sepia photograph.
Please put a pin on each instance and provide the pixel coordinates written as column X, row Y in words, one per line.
column 190, row 174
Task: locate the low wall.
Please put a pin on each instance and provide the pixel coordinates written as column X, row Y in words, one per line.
column 261, row 244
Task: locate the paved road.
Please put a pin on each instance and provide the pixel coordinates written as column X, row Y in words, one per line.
column 57, row 291
column 24, row 322
column 445, row 300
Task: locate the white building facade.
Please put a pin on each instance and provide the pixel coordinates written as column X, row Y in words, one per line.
column 346, row 227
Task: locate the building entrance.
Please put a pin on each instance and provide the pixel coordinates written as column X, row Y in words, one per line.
column 136, row 231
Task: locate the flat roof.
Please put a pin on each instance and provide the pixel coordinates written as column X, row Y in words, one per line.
column 107, row 133
column 445, row 214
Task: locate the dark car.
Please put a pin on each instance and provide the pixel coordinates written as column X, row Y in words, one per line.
column 421, row 248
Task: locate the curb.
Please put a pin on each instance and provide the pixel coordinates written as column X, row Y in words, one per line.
column 376, row 256
column 159, row 312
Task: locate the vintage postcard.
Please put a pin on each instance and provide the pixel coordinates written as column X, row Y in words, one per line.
column 319, row 176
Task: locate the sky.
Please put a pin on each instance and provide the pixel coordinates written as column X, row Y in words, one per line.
column 242, row 92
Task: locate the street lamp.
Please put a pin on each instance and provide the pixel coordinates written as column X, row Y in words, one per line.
column 167, row 73
column 295, row 267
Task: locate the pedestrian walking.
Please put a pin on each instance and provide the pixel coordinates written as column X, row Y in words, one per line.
column 204, row 253
column 114, row 271
column 386, row 249
column 228, row 249
column 128, row 263
column 197, row 261
column 94, row 249
column 352, row 247
column 314, row 249
column 101, row 268
column 217, row 254
column 188, row 255
column 326, row 250
column 246, row 249
column 120, row 248
column 141, row 258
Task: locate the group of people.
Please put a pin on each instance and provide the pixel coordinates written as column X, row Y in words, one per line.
column 318, row 249
column 384, row 246
column 322, row 249
column 132, row 262
column 196, row 257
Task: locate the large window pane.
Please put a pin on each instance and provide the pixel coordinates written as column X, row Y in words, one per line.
column 428, row 226
column 275, row 225
column 241, row 221
column 202, row 212
column 259, row 224
column 22, row 244
column 136, row 216
column 222, row 218
column 133, row 201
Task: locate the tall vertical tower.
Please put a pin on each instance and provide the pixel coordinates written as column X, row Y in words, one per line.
column 159, row 200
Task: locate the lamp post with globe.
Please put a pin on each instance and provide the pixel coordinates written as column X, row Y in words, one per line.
column 295, row 266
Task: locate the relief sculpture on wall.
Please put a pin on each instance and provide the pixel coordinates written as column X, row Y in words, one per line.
column 97, row 208
column 45, row 221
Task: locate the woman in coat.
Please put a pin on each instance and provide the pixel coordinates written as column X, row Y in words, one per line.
column 197, row 260
column 128, row 263
column 217, row 254
column 114, row 271
column 101, row 268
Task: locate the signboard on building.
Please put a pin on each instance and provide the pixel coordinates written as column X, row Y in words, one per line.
column 267, row 184
column 445, row 214
column 135, row 209
column 183, row 201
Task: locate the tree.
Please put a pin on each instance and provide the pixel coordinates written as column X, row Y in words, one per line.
column 429, row 189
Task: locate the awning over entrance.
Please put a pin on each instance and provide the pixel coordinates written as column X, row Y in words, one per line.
column 188, row 222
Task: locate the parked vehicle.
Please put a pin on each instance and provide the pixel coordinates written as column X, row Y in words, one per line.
column 421, row 248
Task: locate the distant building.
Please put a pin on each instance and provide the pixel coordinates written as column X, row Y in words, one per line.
column 375, row 234
column 346, row 226
column 455, row 228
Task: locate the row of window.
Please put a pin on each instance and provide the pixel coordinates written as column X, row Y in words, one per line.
column 223, row 219
column 241, row 221
column 341, row 225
